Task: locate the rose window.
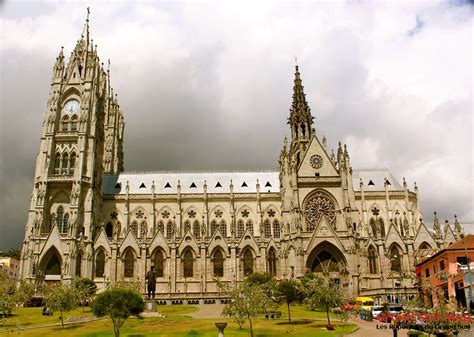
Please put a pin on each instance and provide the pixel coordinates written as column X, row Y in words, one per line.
column 317, row 206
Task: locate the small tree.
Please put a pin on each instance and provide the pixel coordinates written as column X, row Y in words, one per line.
column 324, row 293
column 248, row 300
column 289, row 291
column 86, row 290
column 12, row 293
column 62, row 297
column 118, row 304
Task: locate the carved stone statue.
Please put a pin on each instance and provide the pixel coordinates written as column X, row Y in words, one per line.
column 151, row 282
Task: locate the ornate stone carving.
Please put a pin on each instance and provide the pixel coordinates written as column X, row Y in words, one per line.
column 317, row 206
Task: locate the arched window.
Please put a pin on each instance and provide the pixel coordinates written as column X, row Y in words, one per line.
column 65, row 162
column 372, row 257
column 276, row 229
column 161, row 227
column 240, row 228
column 382, row 227
column 72, row 163
column 188, row 263
column 74, row 123
column 373, row 227
column 218, row 262
column 109, row 230
column 395, row 259
column 214, row 226
column 272, row 261
column 100, row 264
column 169, row 230
column 57, row 164
column 79, row 263
column 196, row 230
column 267, row 227
column 65, row 226
column 248, row 262
column 65, row 124
column 59, row 218
column 159, row 262
column 249, row 226
column 128, row 264
column 143, row 230
column 187, row 226
column 223, row 228
column 135, row 228
column 425, row 246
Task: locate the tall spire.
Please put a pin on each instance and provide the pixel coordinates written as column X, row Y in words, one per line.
column 85, row 32
column 300, row 114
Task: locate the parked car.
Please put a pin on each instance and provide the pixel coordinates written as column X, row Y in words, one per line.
column 389, row 310
column 376, row 310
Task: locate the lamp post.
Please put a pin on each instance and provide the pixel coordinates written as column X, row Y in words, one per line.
column 391, row 276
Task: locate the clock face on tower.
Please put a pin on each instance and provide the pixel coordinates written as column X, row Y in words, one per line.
column 316, row 161
column 72, row 107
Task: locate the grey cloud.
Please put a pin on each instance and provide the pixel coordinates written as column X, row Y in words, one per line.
column 213, row 92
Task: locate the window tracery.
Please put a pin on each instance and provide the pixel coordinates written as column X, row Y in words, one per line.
column 267, row 228
column 240, row 228
column 372, row 257
column 196, row 230
column 223, row 228
column 272, row 261
column 317, row 206
column 276, row 229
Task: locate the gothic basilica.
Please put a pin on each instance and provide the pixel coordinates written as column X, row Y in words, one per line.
column 89, row 218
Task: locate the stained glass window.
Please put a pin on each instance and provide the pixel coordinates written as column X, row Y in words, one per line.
column 218, row 264
column 100, row 264
column 248, row 262
column 188, row 264
column 129, row 264
column 159, row 262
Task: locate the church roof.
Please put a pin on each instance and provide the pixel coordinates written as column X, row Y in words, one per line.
column 219, row 182
column 192, row 182
column 373, row 179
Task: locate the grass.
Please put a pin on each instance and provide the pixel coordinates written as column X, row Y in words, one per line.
column 176, row 324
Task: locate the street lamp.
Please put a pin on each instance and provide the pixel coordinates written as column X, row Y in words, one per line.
column 394, row 257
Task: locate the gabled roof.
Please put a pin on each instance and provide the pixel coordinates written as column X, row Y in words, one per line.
column 377, row 176
column 192, row 182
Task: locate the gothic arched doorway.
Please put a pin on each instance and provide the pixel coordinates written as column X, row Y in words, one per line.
column 51, row 265
column 328, row 260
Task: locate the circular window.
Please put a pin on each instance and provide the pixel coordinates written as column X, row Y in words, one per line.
column 317, row 206
column 316, row 161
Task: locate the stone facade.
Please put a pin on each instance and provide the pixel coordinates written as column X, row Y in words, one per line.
column 87, row 218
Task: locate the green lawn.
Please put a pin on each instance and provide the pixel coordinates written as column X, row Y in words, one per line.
column 176, row 323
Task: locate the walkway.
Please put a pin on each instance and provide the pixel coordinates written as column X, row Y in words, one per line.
column 208, row 311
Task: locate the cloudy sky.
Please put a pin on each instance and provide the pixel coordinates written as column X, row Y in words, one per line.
column 207, row 85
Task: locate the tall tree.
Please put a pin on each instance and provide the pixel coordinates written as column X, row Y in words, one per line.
column 118, row 304
column 289, row 291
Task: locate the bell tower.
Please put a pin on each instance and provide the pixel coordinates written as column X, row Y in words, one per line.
column 81, row 140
